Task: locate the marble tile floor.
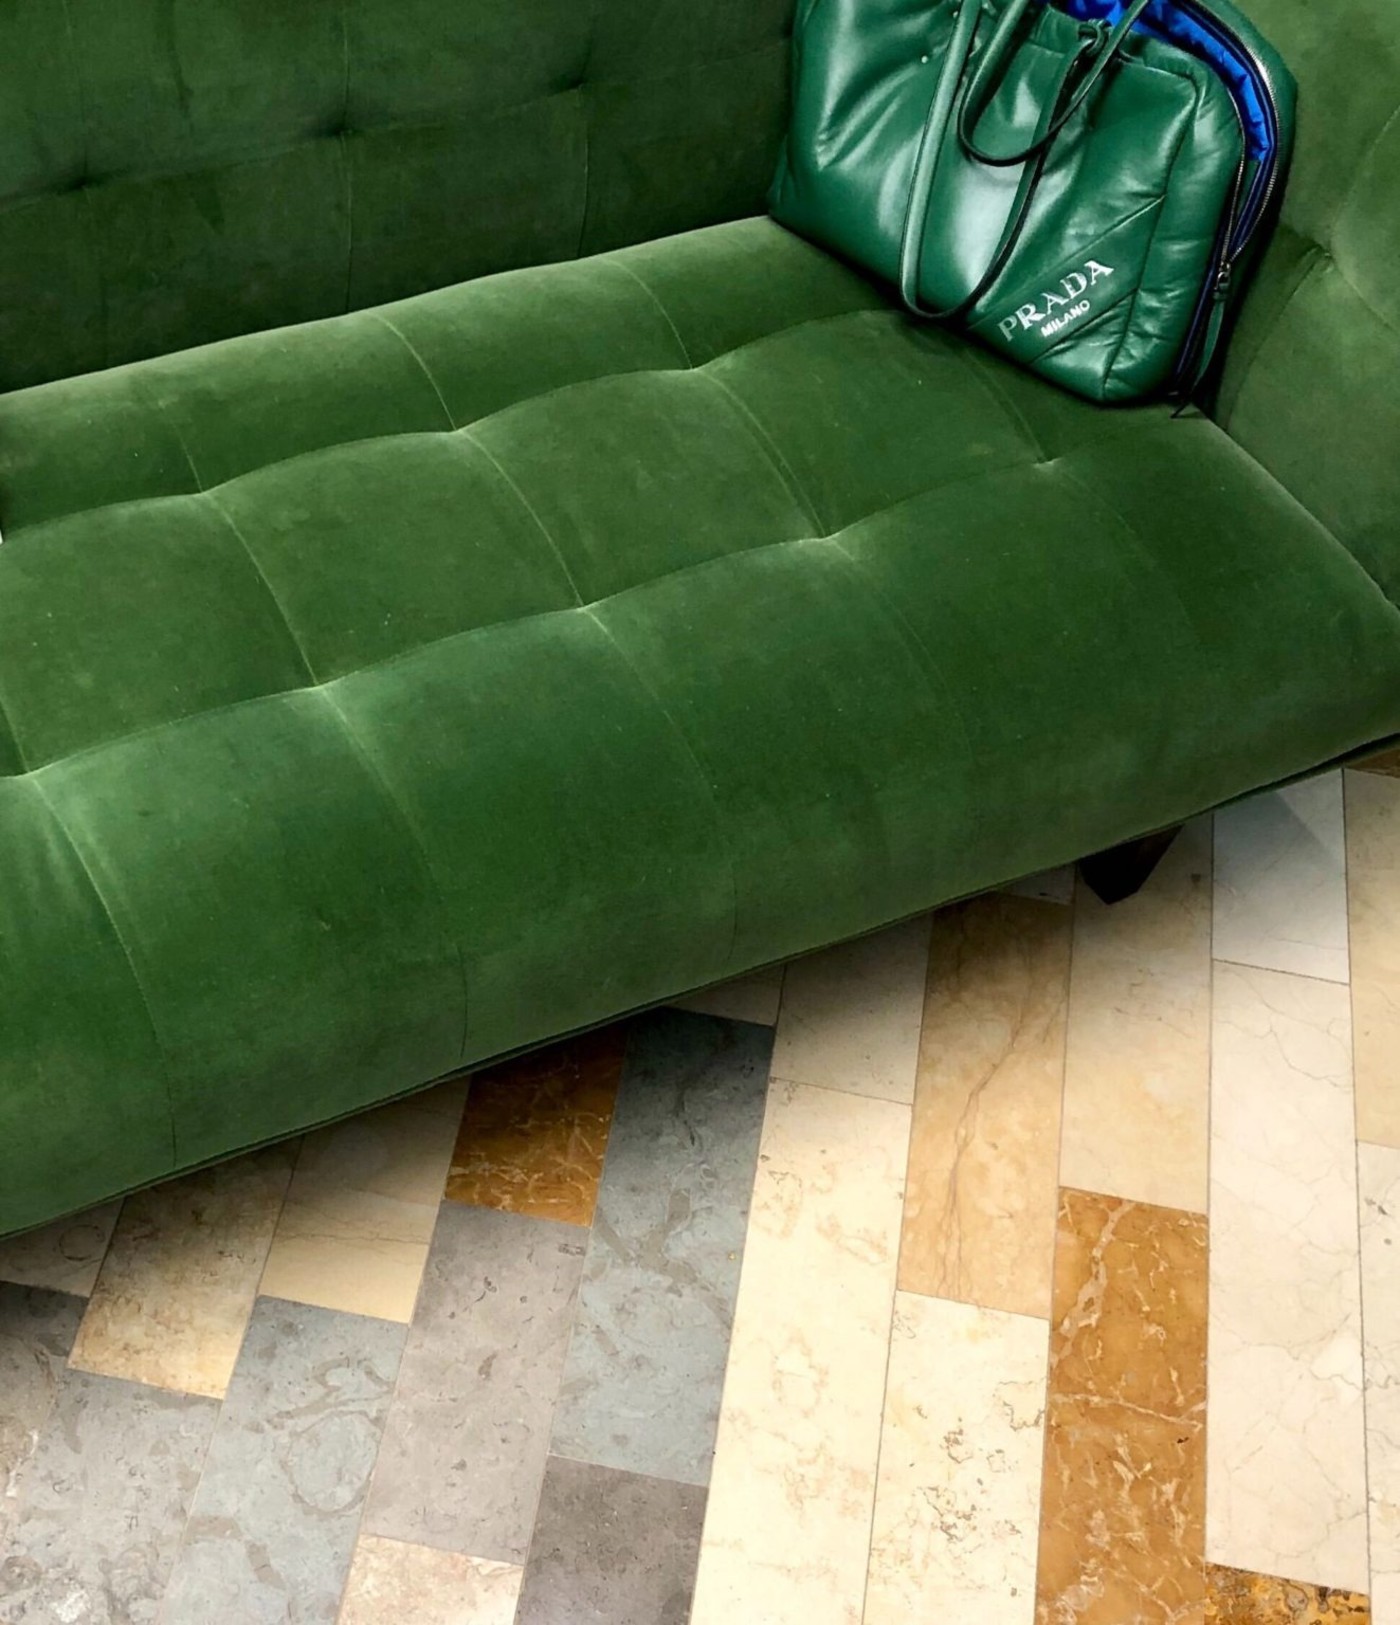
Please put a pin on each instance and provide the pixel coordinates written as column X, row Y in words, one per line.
column 1036, row 1263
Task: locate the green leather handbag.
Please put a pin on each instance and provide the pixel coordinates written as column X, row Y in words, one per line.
column 1077, row 184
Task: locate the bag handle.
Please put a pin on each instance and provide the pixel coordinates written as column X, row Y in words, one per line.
column 1105, row 42
column 931, row 145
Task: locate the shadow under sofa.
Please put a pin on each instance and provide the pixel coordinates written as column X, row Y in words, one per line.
column 386, row 692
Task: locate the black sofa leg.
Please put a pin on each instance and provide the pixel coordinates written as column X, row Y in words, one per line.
column 1123, row 871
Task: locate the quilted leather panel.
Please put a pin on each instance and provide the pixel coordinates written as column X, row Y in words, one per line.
column 392, row 692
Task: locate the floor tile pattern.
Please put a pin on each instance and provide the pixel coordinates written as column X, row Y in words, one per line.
column 1036, row 1263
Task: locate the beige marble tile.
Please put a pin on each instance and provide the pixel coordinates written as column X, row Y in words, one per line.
column 173, row 1298
column 979, row 1221
column 1280, row 881
column 1287, row 1472
column 793, row 1487
column 957, row 1503
column 361, row 1208
column 1385, row 1600
column 394, row 1583
column 1378, row 1169
column 851, row 1014
column 64, row 1256
column 1051, row 885
column 1124, row 1490
column 1137, row 1067
column 747, row 998
column 1373, row 893
column 1236, row 1598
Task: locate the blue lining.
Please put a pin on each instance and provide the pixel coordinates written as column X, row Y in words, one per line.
column 1176, row 25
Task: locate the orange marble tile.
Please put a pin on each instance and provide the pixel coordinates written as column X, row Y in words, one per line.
column 1388, row 762
column 1236, row 1598
column 535, row 1130
column 1122, row 1531
column 979, row 1214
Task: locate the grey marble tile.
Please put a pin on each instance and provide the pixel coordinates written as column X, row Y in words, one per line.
column 273, row 1526
column 37, row 1329
column 611, row 1548
column 646, row 1362
column 468, row 1432
column 102, row 1503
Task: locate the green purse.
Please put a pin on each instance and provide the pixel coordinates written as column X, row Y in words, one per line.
column 1078, row 188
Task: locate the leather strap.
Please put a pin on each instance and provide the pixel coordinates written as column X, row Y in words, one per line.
column 1053, row 118
column 1104, row 43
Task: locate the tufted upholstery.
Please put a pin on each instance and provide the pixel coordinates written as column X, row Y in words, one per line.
column 390, row 692
column 386, row 692
column 175, row 171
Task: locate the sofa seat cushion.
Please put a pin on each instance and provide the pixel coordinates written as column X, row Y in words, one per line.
column 383, row 694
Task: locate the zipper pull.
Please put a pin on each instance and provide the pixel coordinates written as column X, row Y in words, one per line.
column 1223, row 278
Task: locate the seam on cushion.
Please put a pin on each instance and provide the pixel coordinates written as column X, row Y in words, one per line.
column 587, row 131
column 423, row 367
column 886, row 314
column 472, row 114
column 345, row 150
column 529, row 508
column 1372, row 148
column 371, row 767
column 718, row 561
column 980, row 364
column 1312, row 256
column 127, row 954
column 681, row 345
column 208, row 495
column 14, row 740
column 90, row 223
column 781, row 467
column 1144, row 552
column 212, row 499
column 933, row 676
column 693, row 756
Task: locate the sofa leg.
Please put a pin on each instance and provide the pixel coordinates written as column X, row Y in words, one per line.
column 1123, row 871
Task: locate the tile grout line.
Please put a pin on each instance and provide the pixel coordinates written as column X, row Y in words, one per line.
column 360, row 1531
column 894, row 1287
column 1360, row 1199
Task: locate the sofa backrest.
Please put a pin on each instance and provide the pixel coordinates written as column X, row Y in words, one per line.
column 175, row 171
column 1312, row 383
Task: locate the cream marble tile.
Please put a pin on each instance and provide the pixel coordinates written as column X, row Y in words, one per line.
column 1378, row 1170
column 747, row 998
column 1286, row 1448
column 64, row 1256
column 1051, row 885
column 1373, row 893
column 394, row 1583
column 1385, row 1600
column 793, row 1487
column 958, row 1496
column 361, row 1208
column 173, row 1298
column 1137, row 1067
column 851, row 1014
column 1280, row 881
column 979, row 1221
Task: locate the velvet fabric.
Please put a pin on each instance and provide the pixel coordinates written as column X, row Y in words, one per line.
column 385, row 693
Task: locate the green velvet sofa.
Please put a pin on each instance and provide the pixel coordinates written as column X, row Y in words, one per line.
column 466, row 574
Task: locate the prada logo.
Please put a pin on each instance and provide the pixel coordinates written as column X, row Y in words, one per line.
column 1053, row 310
